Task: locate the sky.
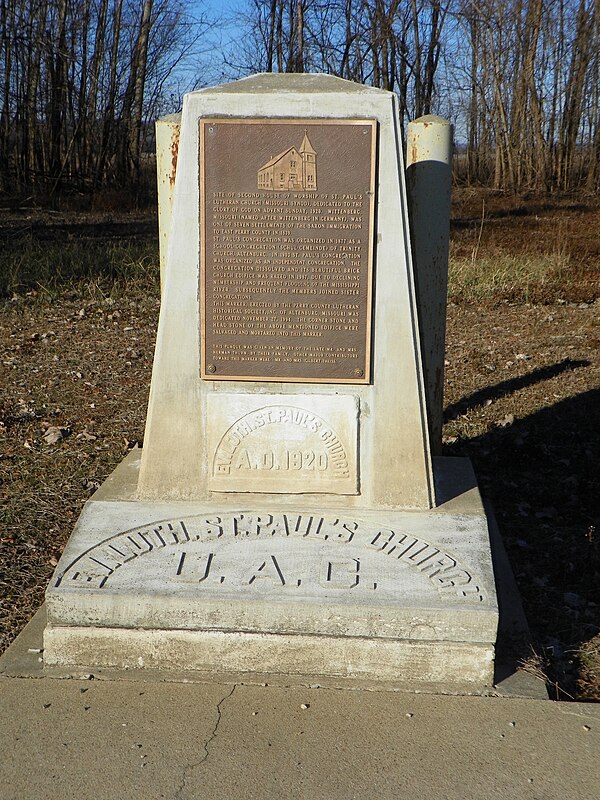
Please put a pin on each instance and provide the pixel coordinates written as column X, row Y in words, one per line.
column 226, row 16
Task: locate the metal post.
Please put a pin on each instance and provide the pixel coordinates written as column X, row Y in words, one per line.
column 167, row 148
column 429, row 182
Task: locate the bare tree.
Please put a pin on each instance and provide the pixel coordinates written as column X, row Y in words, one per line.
column 78, row 81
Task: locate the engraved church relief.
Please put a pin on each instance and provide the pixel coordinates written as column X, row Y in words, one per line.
column 292, row 170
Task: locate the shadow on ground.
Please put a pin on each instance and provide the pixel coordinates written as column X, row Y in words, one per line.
column 504, row 388
column 541, row 475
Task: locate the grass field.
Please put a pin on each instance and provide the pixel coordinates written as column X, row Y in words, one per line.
column 80, row 301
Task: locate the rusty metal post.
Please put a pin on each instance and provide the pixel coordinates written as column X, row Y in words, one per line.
column 429, row 182
column 167, row 147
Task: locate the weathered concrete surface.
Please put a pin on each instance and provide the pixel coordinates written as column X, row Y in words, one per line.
column 429, row 184
column 403, row 597
column 264, row 443
column 451, row 666
column 395, row 470
column 130, row 740
column 167, row 146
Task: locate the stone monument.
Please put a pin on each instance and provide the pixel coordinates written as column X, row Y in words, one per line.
column 285, row 515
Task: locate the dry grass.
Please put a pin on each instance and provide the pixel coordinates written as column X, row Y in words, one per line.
column 523, row 250
column 88, row 254
column 77, row 328
column 589, row 672
column 90, row 269
column 497, row 274
column 75, row 352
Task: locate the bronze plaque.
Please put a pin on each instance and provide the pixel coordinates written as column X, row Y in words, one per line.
column 286, row 247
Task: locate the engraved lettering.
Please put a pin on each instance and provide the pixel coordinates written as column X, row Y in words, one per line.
column 208, row 529
column 239, row 452
column 286, row 262
column 196, row 566
column 269, row 570
column 182, row 543
column 340, row 574
column 248, row 525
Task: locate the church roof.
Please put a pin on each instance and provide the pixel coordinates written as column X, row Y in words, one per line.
column 275, row 159
column 306, row 146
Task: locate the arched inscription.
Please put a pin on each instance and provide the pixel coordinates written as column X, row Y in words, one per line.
column 453, row 582
column 281, row 444
column 242, row 447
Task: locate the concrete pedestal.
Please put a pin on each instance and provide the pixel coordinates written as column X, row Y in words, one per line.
column 286, row 522
column 391, row 597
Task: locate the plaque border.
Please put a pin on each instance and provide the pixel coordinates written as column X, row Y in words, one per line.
column 203, row 122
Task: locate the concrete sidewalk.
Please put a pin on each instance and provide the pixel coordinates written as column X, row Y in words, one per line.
column 138, row 737
column 108, row 740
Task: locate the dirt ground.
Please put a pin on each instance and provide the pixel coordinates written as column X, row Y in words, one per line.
column 522, row 401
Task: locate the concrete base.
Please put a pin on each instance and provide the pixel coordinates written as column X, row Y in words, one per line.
column 335, row 657
column 385, row 597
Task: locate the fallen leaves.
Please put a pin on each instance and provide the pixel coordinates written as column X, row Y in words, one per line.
column 506, row 421
column 54, row 434
column 449, row 439
column 86, row 436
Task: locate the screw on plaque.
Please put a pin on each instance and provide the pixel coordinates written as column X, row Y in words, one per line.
column 359, row 373
column 211, row 368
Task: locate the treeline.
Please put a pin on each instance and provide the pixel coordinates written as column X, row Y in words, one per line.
column 534, row 114
column 519, row 78
column 81, row 81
